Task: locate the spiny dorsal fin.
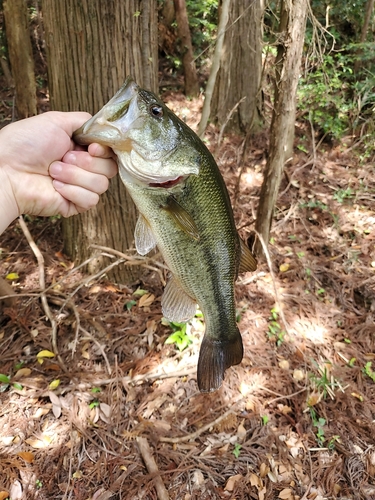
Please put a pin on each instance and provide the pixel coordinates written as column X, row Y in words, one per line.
column 247, row 260
column 176, row 304
column 182, row 218
column 143, row 236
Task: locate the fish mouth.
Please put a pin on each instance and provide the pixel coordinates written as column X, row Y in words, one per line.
column 167, row 184
column 101, row 128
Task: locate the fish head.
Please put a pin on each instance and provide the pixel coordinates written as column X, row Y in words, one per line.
column 153, row 145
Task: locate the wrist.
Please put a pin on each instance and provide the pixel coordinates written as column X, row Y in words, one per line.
column 9, row 210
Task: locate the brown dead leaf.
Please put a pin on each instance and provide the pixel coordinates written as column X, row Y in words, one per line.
column 38, row 444
column 286, row 494
column 4, row 495
column 263, row 470
column 232, row 482
column 255, row 480
column 146, row 300
column 27, row 456
column 22, row 372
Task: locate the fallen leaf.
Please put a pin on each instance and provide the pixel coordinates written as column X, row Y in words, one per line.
column 284, row 364
column 298, row 375
column 106, row 409
column 22, row 372
column 45, row 354
column 77, row 474
column 263, row 470
column 39, row 443
column 232, row 482
column 12, row 276
column 255, row 480
column 27, row 456
column 241, row 432
column 146, row 300
column 15, row 492
column 284, row 267
column 54, row 384
column 7, row 440
column 34, row 332
column 40, row 412
column 55, row 400
column 285, row 494
column 4, row 495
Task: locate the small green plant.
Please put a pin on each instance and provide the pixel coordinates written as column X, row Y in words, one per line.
column 38, row 484
column 331, row 443
column 342, row 194
column 237, row 450
column 265, row 419
column 324, row 382
column 367, row 370
column 275, row 332
column 319, row 424
column 95, row 390
column 179, row 337
column 94, row 404
column 5, row 383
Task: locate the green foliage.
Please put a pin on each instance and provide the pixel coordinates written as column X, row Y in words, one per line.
column 275, row 332
column 203, row 22
column 179, row 337
column 367, row 370
column 237, row 450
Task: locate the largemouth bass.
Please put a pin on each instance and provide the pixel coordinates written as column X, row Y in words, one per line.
column 185, row 210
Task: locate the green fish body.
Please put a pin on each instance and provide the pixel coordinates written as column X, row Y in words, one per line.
column 185, row 210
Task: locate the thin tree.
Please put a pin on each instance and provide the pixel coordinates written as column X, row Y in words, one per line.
column 288, row 60
column 91, row 48
column 20, row 56
column 224, row 16
column 188, row 63
column 366, row 23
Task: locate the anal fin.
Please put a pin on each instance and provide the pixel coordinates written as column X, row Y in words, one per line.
column 176, row 304
column 215, row 357
column 247, row 259
column 143, row 236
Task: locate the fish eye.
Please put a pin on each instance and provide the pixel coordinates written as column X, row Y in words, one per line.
column 156, row 110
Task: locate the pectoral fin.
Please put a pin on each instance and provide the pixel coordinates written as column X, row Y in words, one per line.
column 176, row 304
column 247, row 260
column 182, row 218
column 143, row 236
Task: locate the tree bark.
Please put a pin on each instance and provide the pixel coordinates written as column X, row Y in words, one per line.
column 240, row 71
column 366, row 23
column 91, row 47
column 288, row 61
column 190, row 71
column 20, row 56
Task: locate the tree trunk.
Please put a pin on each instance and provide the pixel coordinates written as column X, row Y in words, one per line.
column 240, row 71
column 91, row 47
column 366, row 24
column 20, row 56
column 190, row 71
column 288, row 61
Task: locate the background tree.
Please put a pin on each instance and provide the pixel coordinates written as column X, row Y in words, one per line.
column 91, row 47
column 240, row 71
column 287, row 67
column 20, row 56
column 188, row 63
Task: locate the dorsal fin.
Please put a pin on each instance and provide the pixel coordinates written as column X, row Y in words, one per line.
column 247, row 260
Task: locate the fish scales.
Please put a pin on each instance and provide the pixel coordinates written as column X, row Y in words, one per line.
column 185, row 210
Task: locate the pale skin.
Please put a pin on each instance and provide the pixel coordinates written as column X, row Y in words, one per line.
column 43, row 172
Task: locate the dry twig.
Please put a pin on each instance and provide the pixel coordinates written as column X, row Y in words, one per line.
column 152, row 468
column 42, row 283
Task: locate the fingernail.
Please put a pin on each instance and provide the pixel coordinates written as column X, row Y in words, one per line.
column 58, row 184
column 55, row 168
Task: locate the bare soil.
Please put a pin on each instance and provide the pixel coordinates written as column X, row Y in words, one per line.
column 295, row 420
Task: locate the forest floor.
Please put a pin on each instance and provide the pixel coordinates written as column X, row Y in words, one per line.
column 295, row 420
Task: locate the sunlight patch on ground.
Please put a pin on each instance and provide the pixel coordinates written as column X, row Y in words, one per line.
column 316, row 333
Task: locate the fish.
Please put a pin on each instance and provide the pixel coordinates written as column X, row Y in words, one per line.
column 184, row 210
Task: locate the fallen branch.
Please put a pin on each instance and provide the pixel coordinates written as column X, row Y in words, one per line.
column 194, row 435
column 152, row 468
column 42, row 283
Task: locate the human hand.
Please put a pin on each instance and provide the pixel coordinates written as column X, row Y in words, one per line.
column 43, row 172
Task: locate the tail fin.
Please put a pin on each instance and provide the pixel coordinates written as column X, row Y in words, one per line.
column 215, row 357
